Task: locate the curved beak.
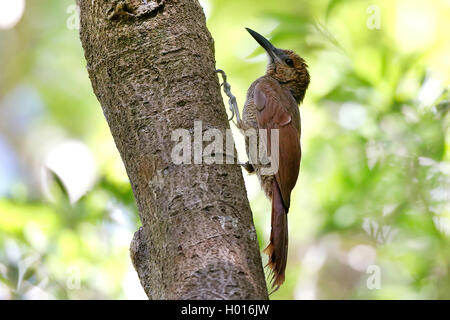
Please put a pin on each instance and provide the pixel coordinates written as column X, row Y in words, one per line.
column 271, row 50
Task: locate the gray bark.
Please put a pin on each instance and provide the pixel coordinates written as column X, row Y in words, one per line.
column 152, row 67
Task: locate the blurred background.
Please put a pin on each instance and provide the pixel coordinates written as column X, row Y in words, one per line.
column 370, row 217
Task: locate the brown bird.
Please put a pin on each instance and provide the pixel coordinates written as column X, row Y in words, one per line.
column 272, row 103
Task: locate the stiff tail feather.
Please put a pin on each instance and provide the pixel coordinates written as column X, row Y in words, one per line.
column 278, row 248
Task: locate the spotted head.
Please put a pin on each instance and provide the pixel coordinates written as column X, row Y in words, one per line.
column 285, row 66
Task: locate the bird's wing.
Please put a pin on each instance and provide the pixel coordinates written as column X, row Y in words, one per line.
column 277, row 109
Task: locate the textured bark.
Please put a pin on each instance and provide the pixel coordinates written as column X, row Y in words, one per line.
column 152, row 68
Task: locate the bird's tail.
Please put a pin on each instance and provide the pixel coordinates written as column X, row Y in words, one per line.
column 278, row 247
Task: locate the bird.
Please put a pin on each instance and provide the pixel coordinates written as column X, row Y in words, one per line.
column 273, row 103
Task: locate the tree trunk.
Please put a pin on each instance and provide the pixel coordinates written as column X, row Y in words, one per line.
column 152, row 68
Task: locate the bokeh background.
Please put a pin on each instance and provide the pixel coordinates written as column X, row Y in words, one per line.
column 370, row 217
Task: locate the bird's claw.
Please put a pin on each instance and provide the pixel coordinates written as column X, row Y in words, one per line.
column 232, row 102
column 248, row 167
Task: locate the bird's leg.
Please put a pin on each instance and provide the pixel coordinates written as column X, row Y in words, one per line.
column 248, row 167
column 234, row 112
column 232, row 99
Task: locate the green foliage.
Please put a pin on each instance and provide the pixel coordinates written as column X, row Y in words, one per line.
column 373, row 187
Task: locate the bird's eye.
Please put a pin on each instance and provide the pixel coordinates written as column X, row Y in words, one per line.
column 289, row 62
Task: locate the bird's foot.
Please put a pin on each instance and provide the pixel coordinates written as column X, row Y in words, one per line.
column 248, row 167
column 234, row 160
column 232, row 102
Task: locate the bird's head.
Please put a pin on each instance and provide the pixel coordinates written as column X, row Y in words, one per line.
column 285, row 66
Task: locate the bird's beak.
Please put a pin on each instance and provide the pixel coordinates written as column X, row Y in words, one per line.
column 269, row 47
